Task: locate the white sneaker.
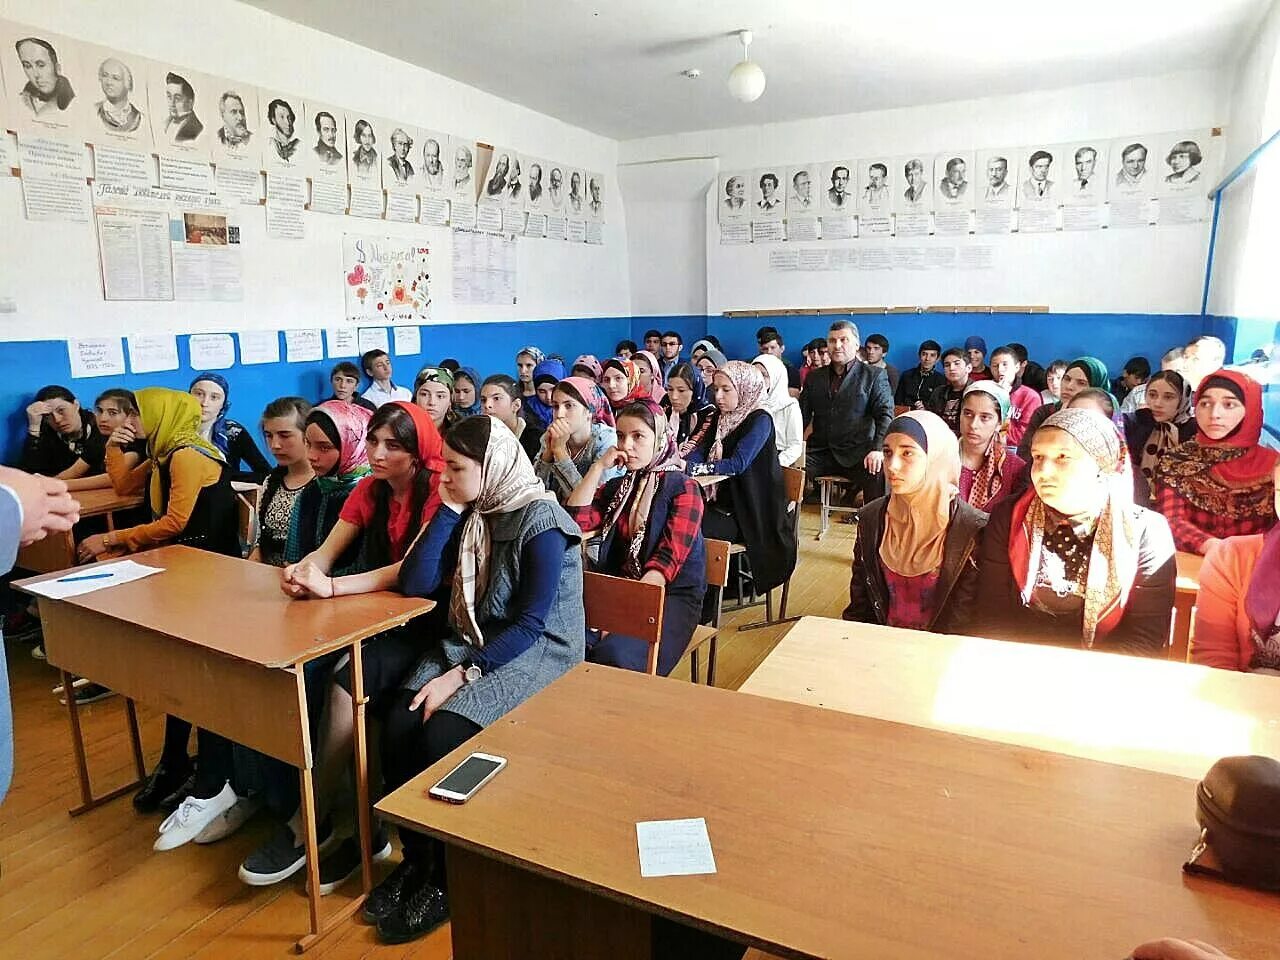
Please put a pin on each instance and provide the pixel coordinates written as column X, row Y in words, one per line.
column 229, row 821
column 38, row 651
column 191, row 817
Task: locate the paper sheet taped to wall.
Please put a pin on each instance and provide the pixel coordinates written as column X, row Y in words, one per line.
column 484, row 268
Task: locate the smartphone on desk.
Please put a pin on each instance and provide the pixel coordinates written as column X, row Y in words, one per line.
column 461, row 783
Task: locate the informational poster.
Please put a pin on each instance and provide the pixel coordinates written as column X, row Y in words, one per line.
column 325, row 159
column 369, row 202
column 237, row 185
column 913, row 195
column 259, row 346
column 408, row 340
column 285, row 221
column 182, row 173
column 576, row 231
column 1133, row 182
column 207, row 256
column 373, row 338
column 768, row 201
column 151, row 353
column 386, row 279
column 46, row 157
column 402, row 207
column 211, row 351
column 762, row 231
column 434, row 210
column 133, row 242
column 803, row 228
column 557, row 227
column 96, row 357
column 489, row 218
column 484, row 268
column 1189, row 167
column 595, row 231
column 462, row 183
column 801, row 204
column 328, row 196
column 875, row 198
column 343, row 342
column 995, row 190
column 1084, row 186
column 118, row 165
column 1039, row 188
column 55, row 198
column 287, row 189
column 953, row 192
column 303, row 346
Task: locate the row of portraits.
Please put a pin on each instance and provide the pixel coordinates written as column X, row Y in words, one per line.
column 1086, row 173
column 57, row 86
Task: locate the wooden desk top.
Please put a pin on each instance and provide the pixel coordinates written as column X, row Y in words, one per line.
column 1156, row 715
column 709, row 479
column 1189, row 571
column 840, row 836
column 105, row 500
column 236, row 607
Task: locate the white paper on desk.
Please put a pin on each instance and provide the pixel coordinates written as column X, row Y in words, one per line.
column 674, row 848
column 69, row 584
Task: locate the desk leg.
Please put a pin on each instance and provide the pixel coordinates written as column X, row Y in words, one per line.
column 312, row 845
column 360, row 746
column 135, row 738
column 513, row 913
column 87, row 800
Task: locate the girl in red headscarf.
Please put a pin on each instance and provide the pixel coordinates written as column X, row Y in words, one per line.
column 1219, row 484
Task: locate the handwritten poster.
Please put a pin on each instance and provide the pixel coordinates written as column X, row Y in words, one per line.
column 151, row 352
column 303, row 346
column 212, row 351
column 96, row 357
column 386, row 280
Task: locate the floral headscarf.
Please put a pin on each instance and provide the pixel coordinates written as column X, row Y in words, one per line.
column 592, row 397
column 989, row 479
column 589, row 361
column 634, row 390
column 749, row 382
column 656, row 389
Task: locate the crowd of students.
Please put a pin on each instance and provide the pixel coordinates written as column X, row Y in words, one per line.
column 1000, row 498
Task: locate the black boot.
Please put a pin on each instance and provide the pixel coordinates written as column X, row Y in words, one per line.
column 164, row 780
column 386, row 897
column 423, row 907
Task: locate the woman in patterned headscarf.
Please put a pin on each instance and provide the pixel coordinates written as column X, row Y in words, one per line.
column 620, row 381
column 1158, row 428
column 1074, row 561
column 586, row 366
column 650, row 523
column 580, row 431
column 528, row 358
column 989, row 470
column 516, row 624
column 1082, row 373
column 750, row 506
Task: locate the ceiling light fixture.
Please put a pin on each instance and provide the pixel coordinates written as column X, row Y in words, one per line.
column 746, row 80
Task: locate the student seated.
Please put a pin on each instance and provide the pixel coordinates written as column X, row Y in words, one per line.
column 1220, row 482
column 1074, row 561
column 650, row 523
column 284, row 425
column 1053, row 382
column 688, row 406
column 989, row 470
column 526, row 360
column 516, row 618
column 345, row 380
column 500, row 397
column 466, row 393
column 335, row 445
column 975, row 351
column 377, row 367
column 537, row 408
column 62, row 439
column 214, row 395
column 788, row 425
column 626, row 349
column 945, row 400
column 914, row 564
column 114, row 407
column 586, row 366
column 188, row 485
column 433, row 392
column 1023, row 401
column 581, row 429
column 649, row 374
column 1238, row 606
column 1158, row 428
column 918, row 384
column 708, row 362
column 620, row 383
column 750, row 507
column 1132, row 384
column 1080, row 374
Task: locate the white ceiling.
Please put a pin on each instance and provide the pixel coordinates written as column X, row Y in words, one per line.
column 613, row 66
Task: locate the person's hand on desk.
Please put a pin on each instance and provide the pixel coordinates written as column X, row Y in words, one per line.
column 874, row 462
column 304, row 580
column 92, row 547
column 1170, row 949
column 47, row 507
column 435, row 694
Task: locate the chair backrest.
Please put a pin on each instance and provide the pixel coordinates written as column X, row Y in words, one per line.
column 717, row 562
column 793, row 484
column 630, row 607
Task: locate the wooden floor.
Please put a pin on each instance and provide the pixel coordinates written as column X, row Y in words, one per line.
column 92, row 887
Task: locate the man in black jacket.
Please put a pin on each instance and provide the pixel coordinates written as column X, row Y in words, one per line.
column 916, row 385
column 849, row 405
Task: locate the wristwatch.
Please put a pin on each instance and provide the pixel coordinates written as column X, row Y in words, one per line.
column 471, row 673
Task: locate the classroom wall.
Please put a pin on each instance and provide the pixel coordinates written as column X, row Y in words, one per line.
column 1155, row 270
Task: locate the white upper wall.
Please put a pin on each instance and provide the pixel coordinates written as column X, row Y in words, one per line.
column 297, row 283
column 1152, row 270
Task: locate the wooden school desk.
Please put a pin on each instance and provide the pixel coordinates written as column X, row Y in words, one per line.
column 834, row 836
column 213, row 640
column 58, row 550
column 1184, row 603
column 1156, row 715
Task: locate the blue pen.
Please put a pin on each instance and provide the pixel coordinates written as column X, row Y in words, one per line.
column 86, row 576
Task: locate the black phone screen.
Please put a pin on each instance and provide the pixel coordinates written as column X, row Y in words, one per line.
column 467, row 776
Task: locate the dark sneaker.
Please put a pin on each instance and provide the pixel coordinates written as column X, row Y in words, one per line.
column 185, row 789
column 163, row 781
column 280, row 857
column 384, row 899
column 343, row 862
column 89, row 693
column 422, row 909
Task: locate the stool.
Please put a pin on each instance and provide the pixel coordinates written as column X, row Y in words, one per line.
column 827, row 507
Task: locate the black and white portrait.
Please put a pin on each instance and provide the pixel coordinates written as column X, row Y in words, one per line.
column 995, row 186
column 535, row 190
column 1040, row 184
column 838, row 188
column 768, row 198
column 1131, row 172
column 363, row 151
column 917, row 191
column 463, row 171
column 118, row 113
column 43, row 88
column 576, row 199
column 801, row 186
column 953, row 184
column 735, row 194
column 595, row 196
column 327, row 149
column 237, row 109
column 876, row 196
column 555, row 186
column 434, row 156
column 1084, row 182
column 495, row 188
column 398, row 163
column 515, row 184
column 283, row 135
column 1183, row 162
column 181, row 123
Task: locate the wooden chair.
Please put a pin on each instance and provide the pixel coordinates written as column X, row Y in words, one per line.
column 630, row 607
column 826, row 506
column 793, row 487
column 718, row 553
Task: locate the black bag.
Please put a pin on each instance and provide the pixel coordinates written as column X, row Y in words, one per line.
column 1238, row 808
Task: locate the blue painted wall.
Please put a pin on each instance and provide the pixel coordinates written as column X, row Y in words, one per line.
column 492, row 347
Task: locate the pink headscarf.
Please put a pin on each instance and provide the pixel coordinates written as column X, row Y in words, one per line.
column 352, row 423
column 656, row 388
column 749, row 382
column 593, row 399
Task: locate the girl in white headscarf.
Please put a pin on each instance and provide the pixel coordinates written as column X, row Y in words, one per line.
column 788, row 426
